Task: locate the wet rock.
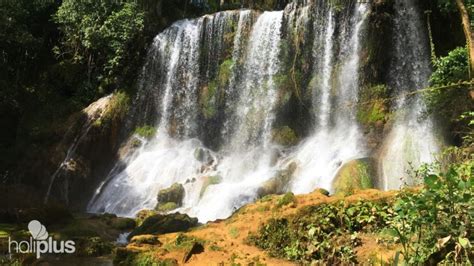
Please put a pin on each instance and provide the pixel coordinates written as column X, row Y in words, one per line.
column 162, row 224
column 354, row 175
column 173, row 194
column 278, row 183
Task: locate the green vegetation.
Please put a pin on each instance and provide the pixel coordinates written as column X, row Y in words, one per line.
column 90, row 28
column 208, row 99
column 145, row 131
column 59, row 56
column 432, row 225
column 234, row 232
column 373, row 106
column 326, row 233
column 448, row 88
column 166, row 207
column 225, row 72
column 435, row 225
column 286, row 199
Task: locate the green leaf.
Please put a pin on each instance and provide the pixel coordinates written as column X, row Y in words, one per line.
column 464, row 242
column 431, row 181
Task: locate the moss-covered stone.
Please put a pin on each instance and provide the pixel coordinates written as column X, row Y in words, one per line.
column 284, row 136
column 143, row 215
column 173, row 194
column 208, row 100
column 373, row 105
column 354, row 175
column 166, row 207
column 162, row 224
column 145, row 131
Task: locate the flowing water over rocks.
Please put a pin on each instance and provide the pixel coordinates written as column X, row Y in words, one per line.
column 211, row 87
column 413, row 139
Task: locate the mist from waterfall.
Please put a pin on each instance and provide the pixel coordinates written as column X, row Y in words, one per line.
column 413, row 139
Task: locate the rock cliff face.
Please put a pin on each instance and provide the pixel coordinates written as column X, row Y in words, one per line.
column 87, row 151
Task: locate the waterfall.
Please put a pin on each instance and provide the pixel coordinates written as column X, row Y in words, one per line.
column 332, row 144
column 412, row 140
column 211, row 87
column 167, row 160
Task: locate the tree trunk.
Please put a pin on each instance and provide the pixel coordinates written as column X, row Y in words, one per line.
column 466, row 25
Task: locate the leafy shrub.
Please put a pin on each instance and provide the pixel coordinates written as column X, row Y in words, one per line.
column 325, row 233
column 437, row 223
column 449, row 96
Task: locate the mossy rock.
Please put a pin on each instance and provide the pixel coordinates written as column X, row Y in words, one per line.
column 354, row 175
column 162, row 224
column 174, row 194
column 278, row 183
column 143, row 215
column 373, row 108
column 284, row 136
column 166, row 207
column 208, row 100
column 145, row 131
column 208, row 181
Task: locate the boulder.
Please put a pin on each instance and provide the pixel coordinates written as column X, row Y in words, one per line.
column 354, row 175
column 173, row 194
column 163, row 224
column 278, row 183
column 142, row 215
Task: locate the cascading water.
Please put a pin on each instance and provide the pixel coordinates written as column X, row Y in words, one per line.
column 337, row 137
column 223, row 70
column 412, row 140
column 166, row 160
